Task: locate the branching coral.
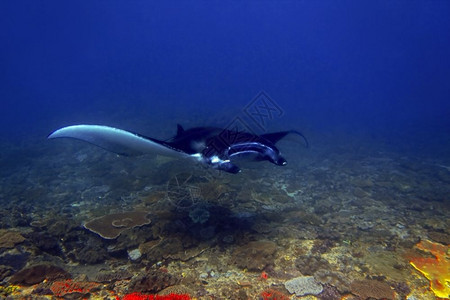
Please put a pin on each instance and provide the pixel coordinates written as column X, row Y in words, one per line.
column 436, row 269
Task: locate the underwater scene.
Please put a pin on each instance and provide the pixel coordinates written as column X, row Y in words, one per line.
column 266, row 150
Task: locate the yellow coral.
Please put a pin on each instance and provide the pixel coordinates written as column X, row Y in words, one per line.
column 436, row 269
column 8, row 290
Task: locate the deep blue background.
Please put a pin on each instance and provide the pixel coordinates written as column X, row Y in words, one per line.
column 376, row 68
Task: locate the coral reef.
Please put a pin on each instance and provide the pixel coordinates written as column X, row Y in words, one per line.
column 329, row 293
column 303, row 285
column 63, row 288
column 176, row 289
column 272, row 294
column 152, row 282
column 436, row 269
column 372, row 289
column 212, row 190
column 255, row 256
column 5, row 291
column 322, row 246
column 338, row 218
column 333, row 278
column 113, row 276
column 14, row 259
column 440, row 237
column 112, row 225
column 5, row 271
column 309, row 264
column 37, row 274
column 44, row 242
column 10, row 238
column 90, row 253
column 139, row 296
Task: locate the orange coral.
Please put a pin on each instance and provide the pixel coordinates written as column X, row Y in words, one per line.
column 139, row 296
column 61, row 288
column 436, row 269
column 271, row 294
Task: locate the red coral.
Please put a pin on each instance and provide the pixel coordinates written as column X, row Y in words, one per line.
column 271, row 294
column 139, row 296
column 61, row 288
column 264, row 275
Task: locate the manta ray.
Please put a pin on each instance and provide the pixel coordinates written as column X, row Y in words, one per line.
column 215, row 147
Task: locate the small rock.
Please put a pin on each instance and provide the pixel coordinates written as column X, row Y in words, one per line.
column 134, row 254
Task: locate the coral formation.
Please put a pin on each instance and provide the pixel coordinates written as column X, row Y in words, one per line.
column 5, row 271
column 436, row 269
column 372, row 289
column 322, row 246
column 152, row 282
column 309, row 264
column 63, row 288
column 113, row 276
column 44, row 242
column 337, row 218
column 9, row 238
column 255, row 256
column 440, row 237
column 15, row 259
column 333, row 278
column 112, row 225
column 90, row 253
column 303, row 285
column 212, row 190
column 176, row 289
column 38, row 273
column 329, row 293
column 139, row 296
column 272, row 294
column 5, row 291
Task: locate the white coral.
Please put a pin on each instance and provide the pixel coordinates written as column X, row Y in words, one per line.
column 303, row 285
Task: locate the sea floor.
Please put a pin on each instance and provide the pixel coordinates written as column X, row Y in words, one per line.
column 339, row 222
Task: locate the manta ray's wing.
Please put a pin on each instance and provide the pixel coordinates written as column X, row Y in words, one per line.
column 275, row 137
column 117, row 140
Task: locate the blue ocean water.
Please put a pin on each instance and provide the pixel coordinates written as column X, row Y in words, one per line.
column 367, row 82
column 377, row 68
